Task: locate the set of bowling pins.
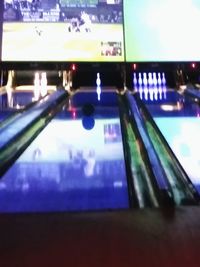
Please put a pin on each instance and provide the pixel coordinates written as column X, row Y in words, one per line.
column 40, row 85
column 150, row 85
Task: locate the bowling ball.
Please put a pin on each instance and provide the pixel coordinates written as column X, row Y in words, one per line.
column 88, row 122
column 88, row 109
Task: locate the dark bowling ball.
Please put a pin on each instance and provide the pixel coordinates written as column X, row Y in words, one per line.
column 88, row 109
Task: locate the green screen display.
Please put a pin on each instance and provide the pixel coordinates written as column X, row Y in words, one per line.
column 164, row 30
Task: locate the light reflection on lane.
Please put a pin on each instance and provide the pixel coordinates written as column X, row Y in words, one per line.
column 69, row 168
column 180, row 127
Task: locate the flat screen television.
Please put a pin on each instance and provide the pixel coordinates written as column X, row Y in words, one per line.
column 63, row 30
column 162, row 31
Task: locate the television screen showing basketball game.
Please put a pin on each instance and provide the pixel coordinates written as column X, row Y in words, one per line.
column 164, row 30
column 63, row 30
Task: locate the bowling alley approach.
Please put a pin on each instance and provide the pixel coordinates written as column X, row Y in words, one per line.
column 99, row 133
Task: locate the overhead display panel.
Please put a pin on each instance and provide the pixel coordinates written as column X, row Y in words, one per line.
column 63, row 30
column 164, row 30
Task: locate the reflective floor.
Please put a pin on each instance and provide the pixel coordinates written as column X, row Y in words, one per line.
column 178, row 119
column 76, row 163
column 146, row 237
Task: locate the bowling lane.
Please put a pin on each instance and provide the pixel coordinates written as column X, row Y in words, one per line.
column 76, row 163
column 178, row 119
column 23, row 88
column 14, row 102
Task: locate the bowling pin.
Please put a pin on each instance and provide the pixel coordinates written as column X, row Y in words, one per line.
column 43, row 83
column 145, row 79
column 159, row 79
column 36, row 90
column 155, row 82
column 98, row 80
column 134, row 80
column 9, row 92
column 150, row 79
column 9, row 88
column 140, row 79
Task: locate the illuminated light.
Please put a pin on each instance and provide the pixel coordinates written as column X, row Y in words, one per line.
column 171, row 107
column 134, row 66
column 193, row 65
column 183, row 87
column 146, row 93
column 73, row 67
column 167, row 107
column 118, row 184
column 107, row 135
column 74, row 114
column 114, row 135
column 98, row 80
column 70, row 105
column 98, row 90
column 18, row 106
